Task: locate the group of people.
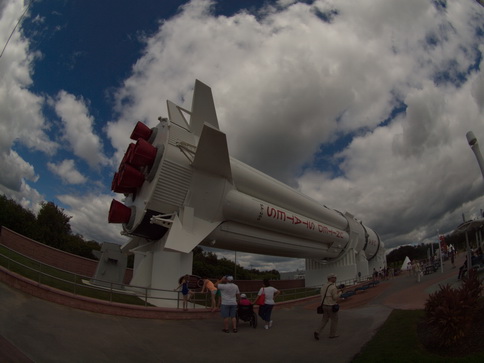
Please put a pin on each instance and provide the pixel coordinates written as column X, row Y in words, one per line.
column 230, row 298
column 477, row 261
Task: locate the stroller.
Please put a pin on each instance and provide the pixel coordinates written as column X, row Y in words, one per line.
column 246, row 313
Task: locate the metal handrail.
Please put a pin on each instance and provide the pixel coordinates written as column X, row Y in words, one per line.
column 80, row 282
column 40, row 276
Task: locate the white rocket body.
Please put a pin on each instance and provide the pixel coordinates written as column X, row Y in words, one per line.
column 194, row 193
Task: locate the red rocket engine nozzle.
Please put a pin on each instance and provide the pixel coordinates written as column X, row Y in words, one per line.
column 119, row 213
column 143, row 154
column 115, row 187
column 129, row 177
column 128, row 153
column 141, row 131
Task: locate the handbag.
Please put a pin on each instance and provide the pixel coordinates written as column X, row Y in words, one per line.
column 319, row 309
column 261, row 299
column 335, row 308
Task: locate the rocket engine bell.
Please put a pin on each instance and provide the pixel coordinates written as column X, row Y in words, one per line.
column 181, row 185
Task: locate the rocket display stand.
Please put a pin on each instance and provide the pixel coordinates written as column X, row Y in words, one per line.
column 182, row 189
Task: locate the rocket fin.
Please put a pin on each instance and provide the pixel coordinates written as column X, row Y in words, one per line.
column 176, row 116
column 212, row 153
column 184, row 240
column 203, row 109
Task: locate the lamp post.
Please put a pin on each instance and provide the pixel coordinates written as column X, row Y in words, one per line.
column 440, row 252
column 472, row 140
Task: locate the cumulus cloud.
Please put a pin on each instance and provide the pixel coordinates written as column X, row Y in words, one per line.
column 363, row 106
column 260, row 262
column 22, row 122
column 90, row 217
column 397, row 80
column 78, row 129
column 15, row 170
column 67, row 171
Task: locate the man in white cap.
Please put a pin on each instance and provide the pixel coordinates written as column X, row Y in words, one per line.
column 330, row 296
column 230, row 294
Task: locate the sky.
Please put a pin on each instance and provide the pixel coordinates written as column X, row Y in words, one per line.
column 362, row 105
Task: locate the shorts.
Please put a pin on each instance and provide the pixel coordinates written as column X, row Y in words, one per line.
column 228, row 311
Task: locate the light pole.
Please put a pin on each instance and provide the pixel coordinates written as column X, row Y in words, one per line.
column 440, row 252
column 472, row 140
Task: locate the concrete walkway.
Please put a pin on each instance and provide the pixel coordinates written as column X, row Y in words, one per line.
column 34, row 330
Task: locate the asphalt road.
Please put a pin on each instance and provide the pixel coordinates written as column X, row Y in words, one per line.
column 35, row 330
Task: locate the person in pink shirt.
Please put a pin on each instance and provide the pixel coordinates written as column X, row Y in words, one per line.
column 243, row 300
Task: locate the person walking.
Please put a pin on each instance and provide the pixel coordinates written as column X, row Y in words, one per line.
column 228, row 309
column 265, row 310
column 330, row 295
column 418, row 271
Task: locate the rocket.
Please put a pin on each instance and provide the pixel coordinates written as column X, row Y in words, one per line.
column 181, row 186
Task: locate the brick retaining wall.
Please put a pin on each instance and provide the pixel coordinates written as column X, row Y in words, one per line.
column 51, row 256
column 87, row 267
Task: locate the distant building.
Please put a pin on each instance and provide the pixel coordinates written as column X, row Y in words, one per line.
column 293, row 275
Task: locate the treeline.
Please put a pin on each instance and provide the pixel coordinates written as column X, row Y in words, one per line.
column 51, row 227
column 396, row 257
column 419, row 252
column 207, row 264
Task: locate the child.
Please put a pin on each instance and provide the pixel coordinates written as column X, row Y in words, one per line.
column 186, row 292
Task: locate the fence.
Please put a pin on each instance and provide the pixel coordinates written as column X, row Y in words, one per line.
column 114, row 292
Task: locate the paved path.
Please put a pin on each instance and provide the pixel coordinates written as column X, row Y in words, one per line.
column 34, row 330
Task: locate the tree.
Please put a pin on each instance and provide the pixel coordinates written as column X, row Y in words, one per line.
column 207, row 264
column 15, row 217
column 53, row 225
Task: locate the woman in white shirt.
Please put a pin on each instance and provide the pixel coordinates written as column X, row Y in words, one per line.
column 265, row 310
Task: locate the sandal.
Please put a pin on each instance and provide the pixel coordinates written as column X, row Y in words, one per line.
column 225, row 330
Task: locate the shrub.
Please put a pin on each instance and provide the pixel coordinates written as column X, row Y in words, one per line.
column 449, row 312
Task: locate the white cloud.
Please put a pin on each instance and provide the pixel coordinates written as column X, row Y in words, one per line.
column 79, row 129
column 290, row 84
column 260, row 262
column 22, row 123
column 20, row 110
column 15, row 170
column 291, row 81
column 90, row 217
column 67, row 171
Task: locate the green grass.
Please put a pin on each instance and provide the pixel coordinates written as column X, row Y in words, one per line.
column 70, row 282
column 59, row 279
column 397, row 342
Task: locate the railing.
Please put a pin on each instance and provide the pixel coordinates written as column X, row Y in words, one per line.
column 82, row 285
column 115, row 292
